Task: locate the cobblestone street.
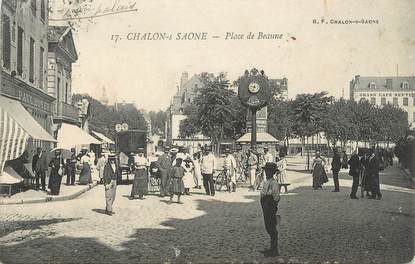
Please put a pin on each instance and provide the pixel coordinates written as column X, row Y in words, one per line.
column 315, row 226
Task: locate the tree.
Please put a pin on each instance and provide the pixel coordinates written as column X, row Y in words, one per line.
column 216, row 111
column 280, row 118
column 158, row 121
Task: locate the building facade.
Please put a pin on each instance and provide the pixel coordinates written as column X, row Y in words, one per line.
column 184, row 96
column 399, row 91
column 61, row 55
column 24, row 60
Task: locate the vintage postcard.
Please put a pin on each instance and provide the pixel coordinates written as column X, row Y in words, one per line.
column 268, row 131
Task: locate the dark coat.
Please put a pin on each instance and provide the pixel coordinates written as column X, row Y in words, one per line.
column 109, row 173
column 336, row 163
column 39, row 164
column 373, row 166
column 354, row 163
column 55, row 164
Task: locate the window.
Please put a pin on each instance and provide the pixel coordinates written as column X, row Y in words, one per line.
column 6, row 42
column 58, row 88
column 383, row 101
column 66, row 93
column 32, row 61
column 362, row 99
column 405, row 101
column 405, row 85
column 395, row 101
column 20, row 50
column 372, row 85
column 41, row 58
column 373, row 100
column 33, row 6
column 42, row 10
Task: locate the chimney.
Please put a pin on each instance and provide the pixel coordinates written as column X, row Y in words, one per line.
column 389, row 83
column 184, row 79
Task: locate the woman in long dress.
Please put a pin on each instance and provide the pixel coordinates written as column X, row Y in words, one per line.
column 140, row 183
column 188, row 175
column 85, row 175
column 319, row 173
column 56, row 173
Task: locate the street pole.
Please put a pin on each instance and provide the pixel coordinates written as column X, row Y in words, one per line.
column 253, row 130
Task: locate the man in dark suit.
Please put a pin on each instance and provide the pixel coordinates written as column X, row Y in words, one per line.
column 335, row 168
column 354, row 171
column 39, row 167
column 373, row 172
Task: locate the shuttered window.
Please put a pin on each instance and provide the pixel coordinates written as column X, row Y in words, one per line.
column 20, row 51
column 32, row 61
column 6, row 42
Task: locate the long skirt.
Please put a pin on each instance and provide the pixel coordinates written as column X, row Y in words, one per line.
column 85, row 176
column 55, row 183
column 319, row 176
column 140, row 183
column 176, row 186
column 188, row 180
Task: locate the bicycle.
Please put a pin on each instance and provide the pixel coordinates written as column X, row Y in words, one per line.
column 221, row 180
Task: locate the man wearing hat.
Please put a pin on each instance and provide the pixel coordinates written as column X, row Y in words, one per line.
column 164, row 164
column 270, row 197
column 71, row 168
column 110, row 182
column 207, row 166
column 230, row 167
column 252, row 167
column 373, row 173
column 39, row 167
column 335, row 168
column 140, row 183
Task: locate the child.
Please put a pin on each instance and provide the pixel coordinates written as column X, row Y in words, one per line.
column 188, row 175
column 176, row 181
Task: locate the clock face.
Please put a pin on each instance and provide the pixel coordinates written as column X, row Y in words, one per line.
column 254, row 87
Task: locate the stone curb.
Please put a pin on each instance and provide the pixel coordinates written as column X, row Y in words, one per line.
column 50, row 198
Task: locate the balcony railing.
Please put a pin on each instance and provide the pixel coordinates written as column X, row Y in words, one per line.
column 67, row 111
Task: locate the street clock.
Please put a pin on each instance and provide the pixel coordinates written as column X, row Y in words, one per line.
column 253, row 91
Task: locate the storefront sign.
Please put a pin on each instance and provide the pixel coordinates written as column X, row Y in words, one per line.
column 33, row 101
column 387, row 94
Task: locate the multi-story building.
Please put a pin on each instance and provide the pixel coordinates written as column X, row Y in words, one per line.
column 184, row 96
column 61, row 55
column 24, row 61
column 379, row 90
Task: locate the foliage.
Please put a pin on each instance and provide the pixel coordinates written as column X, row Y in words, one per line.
column 309, row 112
column 405, row 151
column 216, row 111
column 104, row 118
column 280, row 118
column 158, row 121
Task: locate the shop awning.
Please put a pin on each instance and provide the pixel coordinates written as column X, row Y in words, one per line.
column 103, row 138
column 260, row 137
column 24, row 119
column 70, row 136
column 10, row 176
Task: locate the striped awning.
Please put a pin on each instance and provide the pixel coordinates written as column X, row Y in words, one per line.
column 16, row 127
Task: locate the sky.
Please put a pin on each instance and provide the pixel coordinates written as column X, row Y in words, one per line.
column 314, row 57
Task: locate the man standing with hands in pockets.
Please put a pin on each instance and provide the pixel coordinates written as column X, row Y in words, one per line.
column 110, row 182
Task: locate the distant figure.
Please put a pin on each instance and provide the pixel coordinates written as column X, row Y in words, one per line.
column 110, row 182
column 344, row 160
column 85, row 176
column 176, row 181
column 140, row 183
column 319, row 173
column 354, row 171
column 373, row 173
column 197, row 174
column 188, row 175
column 268, row 156
column 207, row 165
column 39, row 167
column 230, row 166
column 56, row 173
column 252, row 164
column 335, row 168
column 164, row 165
column 70, row 168
column 102, row 161
column 270, row 197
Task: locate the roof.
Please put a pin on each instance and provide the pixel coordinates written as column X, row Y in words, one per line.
column 62, row 36
column 362, row 83
column 260, row 137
